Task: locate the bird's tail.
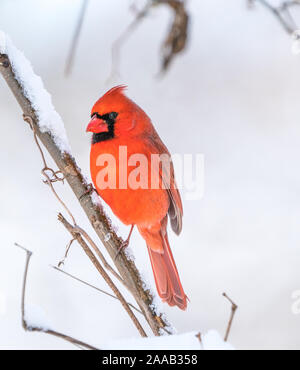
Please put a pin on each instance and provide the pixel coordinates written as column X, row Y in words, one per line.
column 165, row 273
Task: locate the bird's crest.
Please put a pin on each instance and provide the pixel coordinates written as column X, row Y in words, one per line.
column 116, row 90
column 113, row 100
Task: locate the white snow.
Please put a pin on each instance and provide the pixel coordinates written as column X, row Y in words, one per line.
column 36, row 317
column 32, row 85
column 188, row 341
column 107, row 237
column 96, row 199
column 129, row 253
column 2, row 42
column 156, row 305
column 213, row 341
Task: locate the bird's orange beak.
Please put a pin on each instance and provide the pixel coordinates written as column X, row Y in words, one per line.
column 97, row 125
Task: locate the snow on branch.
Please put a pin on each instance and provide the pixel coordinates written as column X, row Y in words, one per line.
column 48, row 119
column 36, row 317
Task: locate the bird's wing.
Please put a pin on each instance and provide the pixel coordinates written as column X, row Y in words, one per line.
column 168, row 179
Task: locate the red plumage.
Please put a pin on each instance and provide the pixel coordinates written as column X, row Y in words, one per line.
column 118, row 122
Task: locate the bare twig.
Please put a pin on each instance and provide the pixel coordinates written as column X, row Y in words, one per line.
column 28, row 256
column 234, row 307
column 72, row 174
column 94, row 287
column 74, row 44
column 282, row 13
column 76, row 235
column 35, row 328
column 62, row 262
column 118, row 43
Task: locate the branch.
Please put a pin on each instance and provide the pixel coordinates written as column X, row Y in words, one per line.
column 67, row 165
column 234, row 307
column 75, row 235
column 35, row 328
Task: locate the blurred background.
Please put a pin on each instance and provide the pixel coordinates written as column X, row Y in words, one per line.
column 233, row 95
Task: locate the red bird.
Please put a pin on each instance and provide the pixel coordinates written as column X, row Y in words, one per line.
column 117, row 122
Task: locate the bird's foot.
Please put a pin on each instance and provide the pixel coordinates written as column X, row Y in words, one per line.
column 89, row 189
column 122, row 246
column 124, row 243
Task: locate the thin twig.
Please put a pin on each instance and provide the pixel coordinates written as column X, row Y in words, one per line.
column 74, row 44
column 279, row 11
column 199, row 337
column 72, row 340
column 94, row 287
column 35, row 328
column 76, row 235
column 234, row 307
column 62, row 262
column 118, row 43
column 28, row 256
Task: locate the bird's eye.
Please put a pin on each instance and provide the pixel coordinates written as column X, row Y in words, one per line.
column 113, row 115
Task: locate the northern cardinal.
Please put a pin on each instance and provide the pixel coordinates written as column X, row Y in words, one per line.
column 116, row 121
